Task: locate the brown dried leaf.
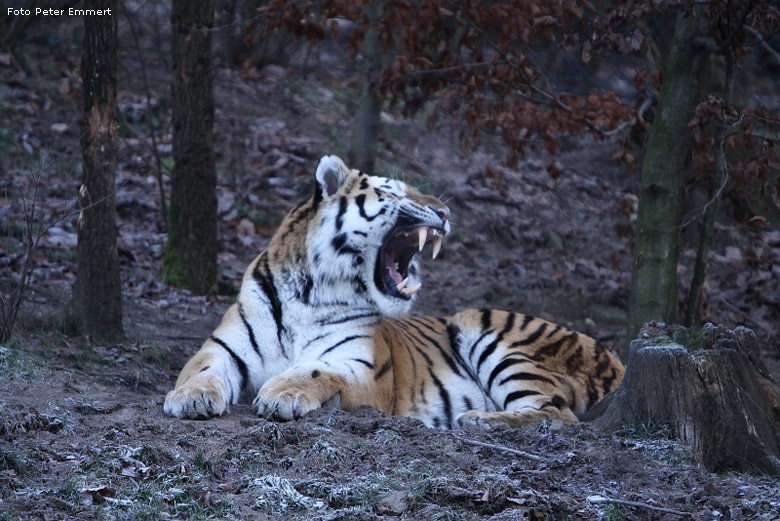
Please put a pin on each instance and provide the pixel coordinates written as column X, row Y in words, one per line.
column 640, row 79
column 554, row 170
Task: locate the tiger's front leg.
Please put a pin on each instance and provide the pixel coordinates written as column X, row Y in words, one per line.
column 217, row 375
column 299, row 390
column 203, row 389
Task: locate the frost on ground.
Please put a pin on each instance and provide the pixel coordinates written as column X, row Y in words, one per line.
column 92, row 447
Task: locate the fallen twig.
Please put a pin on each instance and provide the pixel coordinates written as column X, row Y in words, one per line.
column 500, row 448
column 599, row 500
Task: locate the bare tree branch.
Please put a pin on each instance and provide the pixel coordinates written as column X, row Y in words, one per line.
column 601, row 500
column 762, row 41
column 500, row 448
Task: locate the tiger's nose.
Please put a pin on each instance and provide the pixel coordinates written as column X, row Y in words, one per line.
column 441, row 211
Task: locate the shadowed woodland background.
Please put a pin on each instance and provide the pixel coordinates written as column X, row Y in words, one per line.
column 550, row 131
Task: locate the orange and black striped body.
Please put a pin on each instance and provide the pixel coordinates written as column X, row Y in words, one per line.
column 321, row 313
column 488, row 366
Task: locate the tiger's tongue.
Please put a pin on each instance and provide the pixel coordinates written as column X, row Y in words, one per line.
column 397, row 278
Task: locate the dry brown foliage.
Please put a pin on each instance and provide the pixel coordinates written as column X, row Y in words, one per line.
column 482, row 64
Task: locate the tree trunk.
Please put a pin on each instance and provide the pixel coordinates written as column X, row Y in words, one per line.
column 711, row 207
column 365, row 128
column 191, row 252
column 716, row 396
column 656, row 248
column 96, row 307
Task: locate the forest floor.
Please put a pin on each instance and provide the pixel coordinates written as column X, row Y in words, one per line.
column 82, row 432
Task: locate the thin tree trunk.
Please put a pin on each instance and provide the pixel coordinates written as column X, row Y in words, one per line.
column 191, row 252
column 656, row 247
column 711, row 208
column 366, row 126
column 96, row 307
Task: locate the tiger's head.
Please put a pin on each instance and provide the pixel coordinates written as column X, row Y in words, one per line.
column 361, row 234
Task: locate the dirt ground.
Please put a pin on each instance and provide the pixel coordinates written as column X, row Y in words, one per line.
column 82, row 432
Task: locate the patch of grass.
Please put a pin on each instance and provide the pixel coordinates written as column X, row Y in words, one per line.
column 612, row 512
column 201, row 508
column 579, row 433
column 83, row 360
column 45, row 326
column 357, row 444
column 159, row 357
column 61, row 256
column 147, row 504
column 149, row 456
column 417, row 496
column 203, row 463
column 250, row 461
column 325, row 450
column 361, row 497
column 69, row 491
column 12, row 230
column 276, row 495
column 187, row 441
column 386, row 436
column 18, row 365
column 10, row 461
column 647, row 430
column 160, row 501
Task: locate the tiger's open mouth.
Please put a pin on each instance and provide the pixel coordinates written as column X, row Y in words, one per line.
column 396, row 254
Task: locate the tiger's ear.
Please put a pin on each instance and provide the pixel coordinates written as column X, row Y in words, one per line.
column 331, row 173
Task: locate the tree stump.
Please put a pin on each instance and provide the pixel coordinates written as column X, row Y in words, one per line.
column 710, row 387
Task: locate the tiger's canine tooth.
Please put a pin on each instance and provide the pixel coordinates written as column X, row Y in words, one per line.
column 423, row 236
column 401, row 285
column 436, row 245
column 411, row 290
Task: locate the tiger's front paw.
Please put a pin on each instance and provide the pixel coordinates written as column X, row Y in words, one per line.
column 199, row 398
column 285, row 402
column 472, row 418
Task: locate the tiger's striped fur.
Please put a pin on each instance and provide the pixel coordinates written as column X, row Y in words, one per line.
column 321, row 313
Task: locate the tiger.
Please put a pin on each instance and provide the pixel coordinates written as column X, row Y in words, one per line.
column 324, row 315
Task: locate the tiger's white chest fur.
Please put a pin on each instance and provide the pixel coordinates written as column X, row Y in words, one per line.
column 308, row 329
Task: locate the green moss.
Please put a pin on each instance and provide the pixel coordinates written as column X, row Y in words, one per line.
column 174, row 262
column 168, row 163
column 696, row 340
